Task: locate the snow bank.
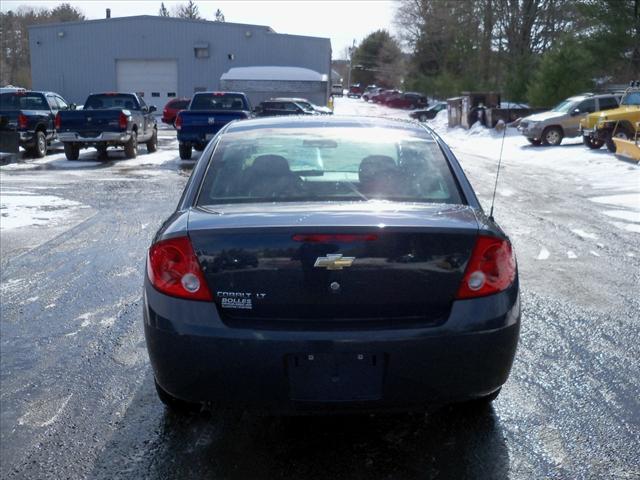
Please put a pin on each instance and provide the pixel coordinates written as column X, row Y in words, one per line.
column 22, row 209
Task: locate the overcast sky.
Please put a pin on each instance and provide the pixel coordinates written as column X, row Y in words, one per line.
column 341, row 21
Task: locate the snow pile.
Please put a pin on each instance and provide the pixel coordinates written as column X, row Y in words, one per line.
column 22, row 209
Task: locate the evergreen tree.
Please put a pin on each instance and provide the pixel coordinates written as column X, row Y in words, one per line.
column 564, row 71
column 190, row 10
column 163, row 11
column 378, row 59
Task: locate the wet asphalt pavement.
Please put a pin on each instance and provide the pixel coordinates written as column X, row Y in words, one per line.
column 77, row 397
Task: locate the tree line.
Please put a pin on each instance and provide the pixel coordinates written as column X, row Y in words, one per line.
column 539, row 51
column 15, row 60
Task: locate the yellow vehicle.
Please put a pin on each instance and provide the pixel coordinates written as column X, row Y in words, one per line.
column 600, row 128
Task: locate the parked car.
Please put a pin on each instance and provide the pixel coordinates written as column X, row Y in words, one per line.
column 370, row 92
column 381, row 97
column 273, row 108
column 429, row 113
column 601, row 128
column 337, row 90
column 355, row 91
column 304, row 103
column 171, row 109
column 406, row 100
column 111, row 119
column 207, row 113
column 31, row 115
column 329, row 264
column 549, row 128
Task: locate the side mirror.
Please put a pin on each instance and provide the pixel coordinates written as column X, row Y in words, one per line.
column 575, row 111
column 152, row 109
column 72, row 106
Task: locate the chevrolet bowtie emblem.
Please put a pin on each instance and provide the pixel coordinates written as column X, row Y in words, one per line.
column 334, row 262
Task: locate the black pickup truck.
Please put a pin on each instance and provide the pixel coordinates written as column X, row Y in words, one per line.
column 108, row 120
column 31, row 116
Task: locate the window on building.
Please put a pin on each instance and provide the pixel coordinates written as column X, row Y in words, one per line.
column 201, row 52
column 140, row 94
column 199, row 89
column 155, row 94
column 171, row 94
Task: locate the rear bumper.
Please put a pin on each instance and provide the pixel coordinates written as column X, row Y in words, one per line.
column 114, row 137
column 197, row 358
column 534, row 132
column 195, row 137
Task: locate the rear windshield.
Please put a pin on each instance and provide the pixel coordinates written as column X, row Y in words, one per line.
column 107, row 102
column 23, row 101
column 328, row 164
column 218, row 101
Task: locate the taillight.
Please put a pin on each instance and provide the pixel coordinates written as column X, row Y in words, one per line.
column 57, row 121
column 491, row 268
column 22, row 121
column 123, row 121
column 173, row 269
column 178, row 121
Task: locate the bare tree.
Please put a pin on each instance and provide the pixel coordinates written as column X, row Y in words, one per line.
column 219, row 16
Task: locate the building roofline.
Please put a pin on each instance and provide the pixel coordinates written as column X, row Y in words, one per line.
column 154, row 17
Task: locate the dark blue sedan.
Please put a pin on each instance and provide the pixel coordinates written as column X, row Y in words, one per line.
column 329, row 264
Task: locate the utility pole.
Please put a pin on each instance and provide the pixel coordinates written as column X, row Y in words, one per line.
column 351, row 50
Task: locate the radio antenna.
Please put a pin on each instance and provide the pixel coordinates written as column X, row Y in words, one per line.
column 495, row 187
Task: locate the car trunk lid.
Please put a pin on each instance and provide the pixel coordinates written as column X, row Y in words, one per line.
column 333, row 266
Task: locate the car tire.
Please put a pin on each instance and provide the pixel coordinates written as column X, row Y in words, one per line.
column 175, row 404
column 423, row 118
column 152, row 144
column 131, row 147
column 534, row 141
column 620, row 133
column 102, row 151
column 592, row 143
column 552, row 136
column 481, row 403
column 40, row 148
column 185, row 151
column 71, row 151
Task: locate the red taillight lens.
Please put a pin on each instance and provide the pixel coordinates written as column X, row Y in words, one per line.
column 491, row 268
column 123, row 121
column 173, row 269
column 340, row 238
column 178, row 121
column 57, row 121
column 22, row 121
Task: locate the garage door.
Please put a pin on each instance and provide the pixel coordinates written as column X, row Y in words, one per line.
column 155, row 80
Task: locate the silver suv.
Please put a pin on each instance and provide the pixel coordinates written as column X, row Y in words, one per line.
column 563, row 120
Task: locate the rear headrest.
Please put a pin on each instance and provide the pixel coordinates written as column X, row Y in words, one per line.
column 270, row 165
column 375, row 166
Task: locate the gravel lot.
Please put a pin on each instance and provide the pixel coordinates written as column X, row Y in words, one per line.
column 77, row 397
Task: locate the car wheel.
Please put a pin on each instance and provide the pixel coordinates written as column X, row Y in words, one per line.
column 185, row 151
column 620, row 133
column 131, row 147
column 40, row 148
column 591, row 142
column 71, row 151
column 175, row 404
column 552, row 136
column 102, row 151
column 534, row 141
column 152, row 144
column 423, row 118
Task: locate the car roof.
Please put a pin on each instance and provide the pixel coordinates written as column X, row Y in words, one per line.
column 331, row 121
